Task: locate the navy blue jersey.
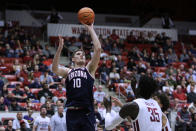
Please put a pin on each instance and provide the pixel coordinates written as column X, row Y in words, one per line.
column 79, row 86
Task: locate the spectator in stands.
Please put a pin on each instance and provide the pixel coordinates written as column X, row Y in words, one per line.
column 18, row 94
column 190, row 74
column 36, row 72
column 17, row 67
column 36, row 83
column 30, row 95
column 194, row 61
column 60, row 93
column 168, row 88
column 125, row 74
column 8, row 97
column 33, row 52
column 150, row 38
column 99, row 94
column 141, row 68
column 120, row 63
column 3, row 106
column 27, row 45
column 49, row 108
column 24, row 75
column 47, row 52
column 153, row 60
column 114, row 36
column 104, row 72
column 129, row 90
column 14, row 106
column 115, row 50
column 18, row 51
column 192, row 95
column 179, row 96
column 161, row 61
column 131, row 38
column 192, row 107
column 158, row 39
column 131, row 64
column 45, row 94
column 36, row 59
column 71, row 49
column 184, row 57
column 23, row 126
column 9, row 52
column 58, row 121
column 29, row 118
column 16, row 122
column 172, row 57
column 59, row 102
column 83, row 35
column 3, row 81
column 27, row 57
column 78, row 43
column 168, row 45
column 9, row 126
column 46, row 78
column 145, row 55
column 107, row 45
column 54, row 17
column 184, row 118
column 164, row 37
column 103, row 55
column 120, row 44
column 133, row 54
column 113, row 76
column 141, row 38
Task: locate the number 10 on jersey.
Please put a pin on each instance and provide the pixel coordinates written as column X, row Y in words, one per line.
column 77, row 83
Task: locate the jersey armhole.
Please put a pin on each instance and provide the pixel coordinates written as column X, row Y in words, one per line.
column 89, row 73
column 67, row 74
column 133, row 120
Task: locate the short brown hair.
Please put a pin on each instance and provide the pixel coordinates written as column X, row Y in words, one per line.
column 74, row 52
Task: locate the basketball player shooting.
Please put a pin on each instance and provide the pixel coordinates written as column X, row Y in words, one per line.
column 79, row 85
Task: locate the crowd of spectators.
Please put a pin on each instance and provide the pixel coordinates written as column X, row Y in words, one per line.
column 123, row 61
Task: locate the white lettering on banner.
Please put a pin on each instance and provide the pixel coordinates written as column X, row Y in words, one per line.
column 75, row 30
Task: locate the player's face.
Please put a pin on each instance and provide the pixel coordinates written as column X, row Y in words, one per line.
column 60, row 109
column 79, row 58
column 19, row 116
column 43, row 111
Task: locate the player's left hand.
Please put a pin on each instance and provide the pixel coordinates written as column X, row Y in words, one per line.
column 117, row 101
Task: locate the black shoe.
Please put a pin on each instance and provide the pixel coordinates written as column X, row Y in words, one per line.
column 107, row 103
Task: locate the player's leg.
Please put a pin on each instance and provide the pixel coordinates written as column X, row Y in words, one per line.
column 88, row 122
column 72, row 120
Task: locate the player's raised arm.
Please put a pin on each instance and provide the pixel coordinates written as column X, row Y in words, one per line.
column 62, row 71
column 93, row 63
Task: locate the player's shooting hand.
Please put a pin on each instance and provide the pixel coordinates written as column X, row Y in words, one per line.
column 61, row 42
column 89, row 27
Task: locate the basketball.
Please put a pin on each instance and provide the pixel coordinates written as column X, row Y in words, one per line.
column 86, row 15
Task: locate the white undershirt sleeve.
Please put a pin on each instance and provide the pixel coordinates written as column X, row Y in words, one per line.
column 111, row 121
